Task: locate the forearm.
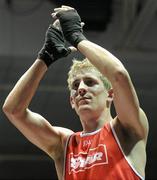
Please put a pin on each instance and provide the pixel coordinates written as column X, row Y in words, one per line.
column 53, row 49
column 105, row 62
column 21, row 95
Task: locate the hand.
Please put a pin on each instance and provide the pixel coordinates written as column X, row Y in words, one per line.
column 54, row 46
column 71, row 24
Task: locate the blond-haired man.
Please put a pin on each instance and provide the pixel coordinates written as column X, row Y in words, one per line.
column 106, row 148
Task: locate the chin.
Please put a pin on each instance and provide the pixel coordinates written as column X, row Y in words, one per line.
column 84, row 109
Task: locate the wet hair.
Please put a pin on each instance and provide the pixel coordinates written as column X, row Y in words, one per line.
column 78, row 65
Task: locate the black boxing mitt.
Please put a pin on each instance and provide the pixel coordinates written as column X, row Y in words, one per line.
column 54, row 46
column 70, row 22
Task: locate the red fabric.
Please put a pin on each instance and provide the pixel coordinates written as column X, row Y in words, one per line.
column 96, row 156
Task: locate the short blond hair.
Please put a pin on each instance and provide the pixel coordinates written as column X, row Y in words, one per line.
column 78, row 65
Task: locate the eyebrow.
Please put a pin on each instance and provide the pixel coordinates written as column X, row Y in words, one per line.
column 75, row 81
column 85, row 78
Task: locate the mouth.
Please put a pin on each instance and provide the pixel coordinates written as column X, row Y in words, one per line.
column 83, row 101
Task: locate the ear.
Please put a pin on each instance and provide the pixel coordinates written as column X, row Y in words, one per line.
column 72, row 102
column 110, row 93
column 109, row 98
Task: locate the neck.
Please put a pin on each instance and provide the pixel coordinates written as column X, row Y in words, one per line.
column 92, row 122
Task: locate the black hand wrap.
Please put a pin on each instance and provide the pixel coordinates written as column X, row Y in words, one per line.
column 54, row 46
column 71, row 26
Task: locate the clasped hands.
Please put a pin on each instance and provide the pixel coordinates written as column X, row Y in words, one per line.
column 67, row 26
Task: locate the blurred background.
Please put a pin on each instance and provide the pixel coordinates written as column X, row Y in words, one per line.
column 127, row 28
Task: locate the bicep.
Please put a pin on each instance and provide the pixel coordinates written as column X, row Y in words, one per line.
column 39, row 131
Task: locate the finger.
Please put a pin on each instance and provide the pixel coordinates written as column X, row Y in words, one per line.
column 73, row 49
column 57, row 9
column 82, row 24
column 54, row 15
column 67, row 7
column 56, row 24
column 63, row 8
column 60, row 9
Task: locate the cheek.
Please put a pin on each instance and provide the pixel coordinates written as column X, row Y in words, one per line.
column 73, row 93
column 98, row 91
column 101, row 97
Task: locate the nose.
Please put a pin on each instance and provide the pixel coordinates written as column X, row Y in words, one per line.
column 82, row 89
column 82, row 92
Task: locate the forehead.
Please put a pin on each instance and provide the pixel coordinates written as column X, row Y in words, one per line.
column 86, row 73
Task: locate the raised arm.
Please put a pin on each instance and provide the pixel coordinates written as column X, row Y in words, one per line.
column 32, row 125
column 125, row 98
column 126, row 102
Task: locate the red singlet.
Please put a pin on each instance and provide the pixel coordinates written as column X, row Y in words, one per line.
column 97, row 156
